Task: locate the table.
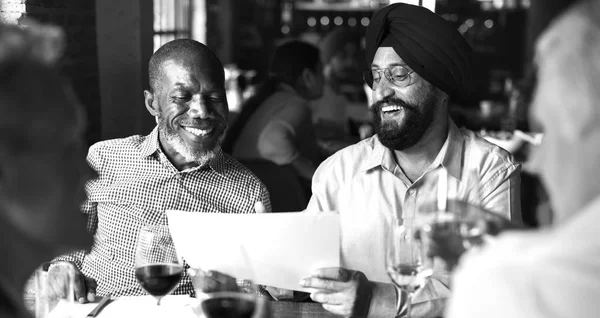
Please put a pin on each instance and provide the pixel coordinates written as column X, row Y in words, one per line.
column 182, row 307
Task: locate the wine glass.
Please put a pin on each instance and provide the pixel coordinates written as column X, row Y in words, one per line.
column 406, row 262
column 158, row 269
column 451, row 216
column 229, row 289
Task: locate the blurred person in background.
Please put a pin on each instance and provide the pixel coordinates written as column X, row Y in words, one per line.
column 179, row 165
column 554, row 271
column 342, row 66
column 42, row 160
column 418, row 62
column 276, row 123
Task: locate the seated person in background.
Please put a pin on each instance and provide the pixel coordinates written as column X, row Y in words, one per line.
column 341, row 64
column 552, row 272
column 275, row 124
column 42, row 165
column 179, row 165
column 377, row 181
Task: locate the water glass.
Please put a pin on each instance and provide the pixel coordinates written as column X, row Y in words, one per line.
column 53, row 302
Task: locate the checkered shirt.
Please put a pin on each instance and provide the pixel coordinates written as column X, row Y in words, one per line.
column 136, row 185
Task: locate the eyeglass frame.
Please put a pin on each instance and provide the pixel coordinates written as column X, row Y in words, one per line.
column 387, row 74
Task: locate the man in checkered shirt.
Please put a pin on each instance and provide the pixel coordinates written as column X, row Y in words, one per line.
column 179, row 165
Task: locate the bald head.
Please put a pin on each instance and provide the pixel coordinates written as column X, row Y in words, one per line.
column 183, row 49
column 568, row 59
column 565, row 106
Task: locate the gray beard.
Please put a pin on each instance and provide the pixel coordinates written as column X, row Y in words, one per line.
column 200, row 157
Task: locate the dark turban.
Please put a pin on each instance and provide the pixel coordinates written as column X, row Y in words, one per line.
column 427, row 43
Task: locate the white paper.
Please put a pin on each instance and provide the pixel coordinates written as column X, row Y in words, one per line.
column 273, row 249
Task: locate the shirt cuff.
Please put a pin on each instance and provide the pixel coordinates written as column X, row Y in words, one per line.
column 384, row 301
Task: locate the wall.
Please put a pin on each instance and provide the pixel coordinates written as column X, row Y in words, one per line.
column 78, row 19
column 124, row 49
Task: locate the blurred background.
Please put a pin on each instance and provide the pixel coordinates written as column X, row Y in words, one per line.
column 110, row 43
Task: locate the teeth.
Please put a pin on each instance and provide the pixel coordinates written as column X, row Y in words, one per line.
column 390, row 108
column 198, row 132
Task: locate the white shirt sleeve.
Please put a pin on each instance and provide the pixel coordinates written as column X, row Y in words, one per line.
column 276, row 143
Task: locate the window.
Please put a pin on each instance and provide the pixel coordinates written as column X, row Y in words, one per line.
column 172, row 20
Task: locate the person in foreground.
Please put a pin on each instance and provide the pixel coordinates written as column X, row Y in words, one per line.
column 179, row 165
column 42, row 160
column 418, row 63
column 551, row 272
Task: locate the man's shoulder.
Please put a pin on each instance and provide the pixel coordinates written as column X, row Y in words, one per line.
column 349, row 160
column 236, row 170
column 488, row 158
column 479, row 144
column 119, row 145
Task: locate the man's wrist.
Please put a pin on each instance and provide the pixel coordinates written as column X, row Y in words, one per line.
column 384, row 300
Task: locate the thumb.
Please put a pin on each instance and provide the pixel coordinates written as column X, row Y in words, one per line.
column 259, row 207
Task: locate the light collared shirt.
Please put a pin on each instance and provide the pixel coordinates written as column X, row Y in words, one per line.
column 365, row 185
column 136, row 185
column 533, row 274
column 280, row 130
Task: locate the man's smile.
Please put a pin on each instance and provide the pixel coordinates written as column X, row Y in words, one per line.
column 199, row 132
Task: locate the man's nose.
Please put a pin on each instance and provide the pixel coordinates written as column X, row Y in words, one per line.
column 382, row 90
column 198, row 108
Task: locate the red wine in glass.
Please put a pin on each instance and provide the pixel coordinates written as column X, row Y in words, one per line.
column 158, row 279
column 229, row 305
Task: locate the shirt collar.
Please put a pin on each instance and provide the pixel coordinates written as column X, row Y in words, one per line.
column 450, row 155
column 151, row 145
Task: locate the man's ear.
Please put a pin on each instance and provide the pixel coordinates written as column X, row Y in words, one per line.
column 151, row 104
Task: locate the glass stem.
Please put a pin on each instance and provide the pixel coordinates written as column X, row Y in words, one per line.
column 158, row 301
column 408, row 304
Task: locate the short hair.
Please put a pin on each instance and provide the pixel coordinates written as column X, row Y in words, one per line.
column 173, row 49
column 291, row 58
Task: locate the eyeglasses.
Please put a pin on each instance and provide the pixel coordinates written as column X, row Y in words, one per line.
column 397, row 75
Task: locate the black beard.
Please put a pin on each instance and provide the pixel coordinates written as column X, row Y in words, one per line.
column 400, row 136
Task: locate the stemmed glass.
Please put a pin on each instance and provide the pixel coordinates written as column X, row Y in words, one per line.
column 452, row 218
column 157, row 267
column 406, row 262
column 221, row 295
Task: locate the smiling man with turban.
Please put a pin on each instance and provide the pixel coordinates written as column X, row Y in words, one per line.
column 418, row 63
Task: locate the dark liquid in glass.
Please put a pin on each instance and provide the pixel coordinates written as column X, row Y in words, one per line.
column 158, row 279
column 229, row 306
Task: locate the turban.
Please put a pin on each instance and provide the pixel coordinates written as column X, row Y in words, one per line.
column 427, row 43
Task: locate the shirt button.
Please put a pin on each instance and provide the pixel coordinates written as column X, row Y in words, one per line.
column 406, row 237
column 412, row 192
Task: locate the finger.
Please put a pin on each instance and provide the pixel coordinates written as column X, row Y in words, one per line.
column 79, row 288
column 91, row 286
column 328, row 298
column 333, row 273
column 321, row 283
column 259, row 207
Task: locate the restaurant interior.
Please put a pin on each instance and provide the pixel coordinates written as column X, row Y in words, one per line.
column 109, row 44
column 243, row 33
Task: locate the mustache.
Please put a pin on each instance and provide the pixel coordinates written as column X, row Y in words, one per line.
column 376, row 107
